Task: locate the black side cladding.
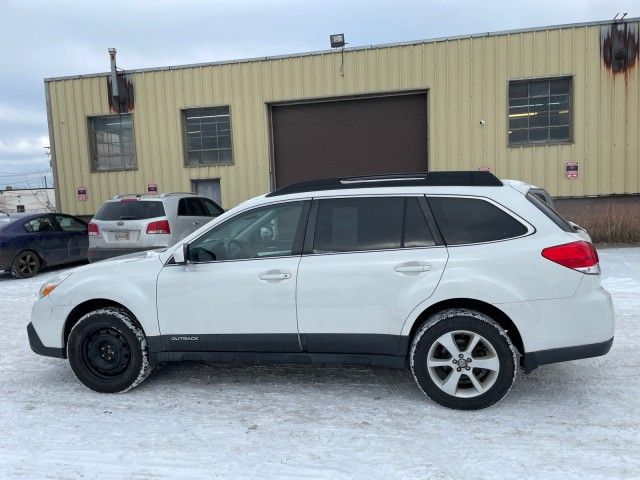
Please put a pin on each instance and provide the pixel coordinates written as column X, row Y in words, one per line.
column 36, row 345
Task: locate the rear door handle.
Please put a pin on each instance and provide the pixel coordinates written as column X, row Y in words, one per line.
column 274, row 275
column 195, row 224
column 412, row 267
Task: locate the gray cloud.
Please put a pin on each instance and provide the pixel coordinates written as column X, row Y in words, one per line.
column 41, row 39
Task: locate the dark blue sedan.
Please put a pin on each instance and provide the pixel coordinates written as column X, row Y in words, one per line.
column 30, row 242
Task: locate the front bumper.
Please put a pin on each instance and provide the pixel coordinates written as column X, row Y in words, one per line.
column 533, row 360
column 37, row 346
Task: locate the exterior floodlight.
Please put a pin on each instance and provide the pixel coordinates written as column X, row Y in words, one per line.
column 337, row 40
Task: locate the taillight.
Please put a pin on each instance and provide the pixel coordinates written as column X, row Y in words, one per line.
column 581, row 256
column 93, row 229
column 160, row 226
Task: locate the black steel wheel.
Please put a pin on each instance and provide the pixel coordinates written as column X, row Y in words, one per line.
column 26, row 264
column 107, row 351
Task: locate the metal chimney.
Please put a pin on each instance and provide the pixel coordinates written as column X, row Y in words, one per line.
column 114, row 76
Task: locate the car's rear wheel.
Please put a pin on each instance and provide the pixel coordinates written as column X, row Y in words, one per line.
column 463, row 359
column 26, row 264
column 108, row 351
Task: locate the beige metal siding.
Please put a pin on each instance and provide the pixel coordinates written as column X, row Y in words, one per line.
column 467, row 80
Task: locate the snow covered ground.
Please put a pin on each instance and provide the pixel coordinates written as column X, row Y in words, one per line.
column 578, row 419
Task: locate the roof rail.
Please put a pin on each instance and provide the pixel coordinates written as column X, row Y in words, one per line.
column 123, row 195
column 167, row 194
column 422, row 179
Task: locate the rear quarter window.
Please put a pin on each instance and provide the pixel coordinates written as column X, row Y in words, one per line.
column 551, row 214
column 130, row 210
column 473, row 220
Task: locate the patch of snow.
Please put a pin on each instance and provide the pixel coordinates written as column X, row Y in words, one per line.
column 570, row 420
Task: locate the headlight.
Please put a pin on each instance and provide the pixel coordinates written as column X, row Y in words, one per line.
column 52, row 283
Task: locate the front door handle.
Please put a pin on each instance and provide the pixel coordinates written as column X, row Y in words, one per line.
column 412, row 267
column 195, row 224
column 271, row 275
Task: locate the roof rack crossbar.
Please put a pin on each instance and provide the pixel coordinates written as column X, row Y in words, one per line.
column 423, row 179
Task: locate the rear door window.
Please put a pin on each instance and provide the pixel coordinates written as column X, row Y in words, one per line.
column 130, row 210
column 191, row 207
column 357, row 224
column 70, row 224
column 473, row 220
column 370, row 223
column 416, row 229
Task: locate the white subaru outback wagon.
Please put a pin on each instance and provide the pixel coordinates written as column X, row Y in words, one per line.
column 458, row 276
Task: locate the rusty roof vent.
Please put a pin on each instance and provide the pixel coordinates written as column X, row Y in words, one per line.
column 619, row 45
column 119, row 88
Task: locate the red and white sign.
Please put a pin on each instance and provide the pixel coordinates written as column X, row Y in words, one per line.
column 152, row 189
column 571, row 170
column 82, row 193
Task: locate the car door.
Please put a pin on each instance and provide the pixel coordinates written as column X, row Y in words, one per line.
column 46, row 238
column 75, row 232
column 237, row 291
column 189, row 218
column 367, row 263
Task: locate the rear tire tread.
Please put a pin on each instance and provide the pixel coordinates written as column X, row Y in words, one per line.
column 458, row 312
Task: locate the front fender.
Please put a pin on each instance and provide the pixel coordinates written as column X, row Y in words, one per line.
column 130, row 283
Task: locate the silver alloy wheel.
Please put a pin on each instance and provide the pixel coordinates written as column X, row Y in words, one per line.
column 463, row 364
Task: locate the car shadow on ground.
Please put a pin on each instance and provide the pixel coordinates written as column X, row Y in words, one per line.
column 534, row 391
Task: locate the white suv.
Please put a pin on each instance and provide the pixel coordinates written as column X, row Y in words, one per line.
column 134, row 222
column 458, row 276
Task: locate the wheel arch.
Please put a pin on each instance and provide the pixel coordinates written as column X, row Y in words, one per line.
column 491, row 310
column 89, row 306
column 30, row 248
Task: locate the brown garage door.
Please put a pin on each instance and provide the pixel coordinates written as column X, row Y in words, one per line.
column 364, row 136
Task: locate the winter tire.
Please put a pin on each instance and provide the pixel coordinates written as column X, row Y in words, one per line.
column 26, row 264
column 108, row 351
column 463, row 359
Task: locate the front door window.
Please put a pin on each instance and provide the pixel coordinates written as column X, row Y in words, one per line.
column 271, row 231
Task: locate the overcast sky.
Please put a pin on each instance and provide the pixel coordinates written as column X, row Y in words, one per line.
column 41, row 39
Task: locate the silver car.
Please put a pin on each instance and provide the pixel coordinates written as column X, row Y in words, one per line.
column 132, row 223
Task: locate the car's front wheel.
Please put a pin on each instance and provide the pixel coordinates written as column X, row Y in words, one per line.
column 463, row 359
column 108, row 351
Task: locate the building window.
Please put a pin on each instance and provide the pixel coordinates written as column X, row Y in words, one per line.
column 112, row 143
column 540, row 111
column 207, row 136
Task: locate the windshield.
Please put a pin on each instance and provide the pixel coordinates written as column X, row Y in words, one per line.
column 130, row 210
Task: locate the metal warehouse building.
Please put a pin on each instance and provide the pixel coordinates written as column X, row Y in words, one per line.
column 557, row 106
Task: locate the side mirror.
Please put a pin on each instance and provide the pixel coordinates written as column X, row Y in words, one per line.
column 181, row 254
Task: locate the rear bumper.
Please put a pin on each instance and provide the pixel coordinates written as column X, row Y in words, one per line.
column 97, row 254
column 37, row 346
column 533, row 360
